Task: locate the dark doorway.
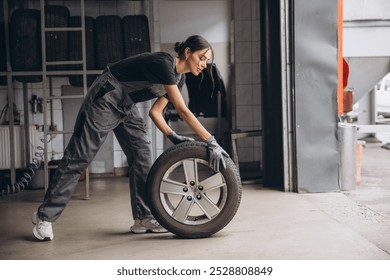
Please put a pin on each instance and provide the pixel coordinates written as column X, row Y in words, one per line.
column 271, row 81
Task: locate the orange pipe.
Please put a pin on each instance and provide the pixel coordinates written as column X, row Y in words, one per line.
column 340, row 88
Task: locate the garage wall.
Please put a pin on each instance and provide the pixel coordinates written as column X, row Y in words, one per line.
column 247, row 91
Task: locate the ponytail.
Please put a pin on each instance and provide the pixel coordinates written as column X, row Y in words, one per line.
column 179, row 48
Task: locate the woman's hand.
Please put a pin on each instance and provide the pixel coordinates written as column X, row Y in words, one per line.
column 216, row 154
column 177, row 139
column 185, row 113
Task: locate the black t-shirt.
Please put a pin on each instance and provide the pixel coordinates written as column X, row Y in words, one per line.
column 146, row 73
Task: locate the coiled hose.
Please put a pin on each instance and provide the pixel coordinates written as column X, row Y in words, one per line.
column 26, row 178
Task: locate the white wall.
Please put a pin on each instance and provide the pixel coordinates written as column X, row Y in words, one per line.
column 210, row 19
column 179, row 19
column 247, row 90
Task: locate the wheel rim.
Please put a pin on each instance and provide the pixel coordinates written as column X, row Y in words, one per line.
column 192, row 193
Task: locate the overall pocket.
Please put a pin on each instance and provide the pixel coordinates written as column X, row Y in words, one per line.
column 106, row 87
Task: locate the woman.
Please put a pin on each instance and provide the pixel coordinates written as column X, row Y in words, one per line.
column 110, row 106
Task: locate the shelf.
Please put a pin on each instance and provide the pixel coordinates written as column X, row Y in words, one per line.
column 63, row 29
column 64, row 62
column 65, row 97
column 52, row 73
column 60, row 132
column 44, row 73
column 45, row 84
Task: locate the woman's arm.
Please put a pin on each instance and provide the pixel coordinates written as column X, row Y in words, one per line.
column 185, row 113
column 216, row 153
column 156, row 115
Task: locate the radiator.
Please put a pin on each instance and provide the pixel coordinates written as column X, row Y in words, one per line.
column 5, row 147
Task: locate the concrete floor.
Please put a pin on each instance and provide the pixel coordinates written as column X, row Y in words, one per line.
column 271, row 225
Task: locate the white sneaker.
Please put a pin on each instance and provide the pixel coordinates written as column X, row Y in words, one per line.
column 42, row 229
column 147, row 225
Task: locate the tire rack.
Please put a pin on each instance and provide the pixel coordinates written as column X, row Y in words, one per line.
column 45, row 74
column 9, row 92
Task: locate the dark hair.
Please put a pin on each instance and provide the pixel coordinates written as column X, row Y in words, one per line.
column 194, row 43
column 197, row 43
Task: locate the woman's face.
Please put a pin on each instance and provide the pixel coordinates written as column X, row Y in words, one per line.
column 197, row 61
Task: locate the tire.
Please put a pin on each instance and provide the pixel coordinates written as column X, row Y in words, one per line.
column 136, row 35
column 181, row 183
column 56, row 41
column 25, row 43
column 76, row 52
column 3, row 56
column 108, row 39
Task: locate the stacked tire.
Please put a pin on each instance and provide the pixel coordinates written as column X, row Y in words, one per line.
column 3, row 56
column 56, row 41
column 136, row 34
column 25, row 42
column 108, row 40
column 75, row 49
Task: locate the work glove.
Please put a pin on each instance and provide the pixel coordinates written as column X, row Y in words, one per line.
column 216, row 154
column 177, row 139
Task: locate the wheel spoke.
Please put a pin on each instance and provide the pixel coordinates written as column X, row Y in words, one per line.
column 208, row 207
column 209, row 195
column 213, row 182
column 190, row 170
column 183, row 209
column 172, row 187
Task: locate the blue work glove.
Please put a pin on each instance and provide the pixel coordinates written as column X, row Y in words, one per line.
column 216, row 154
column 177, row 139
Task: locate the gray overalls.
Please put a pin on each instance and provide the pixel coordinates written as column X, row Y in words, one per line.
column 106, row 107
